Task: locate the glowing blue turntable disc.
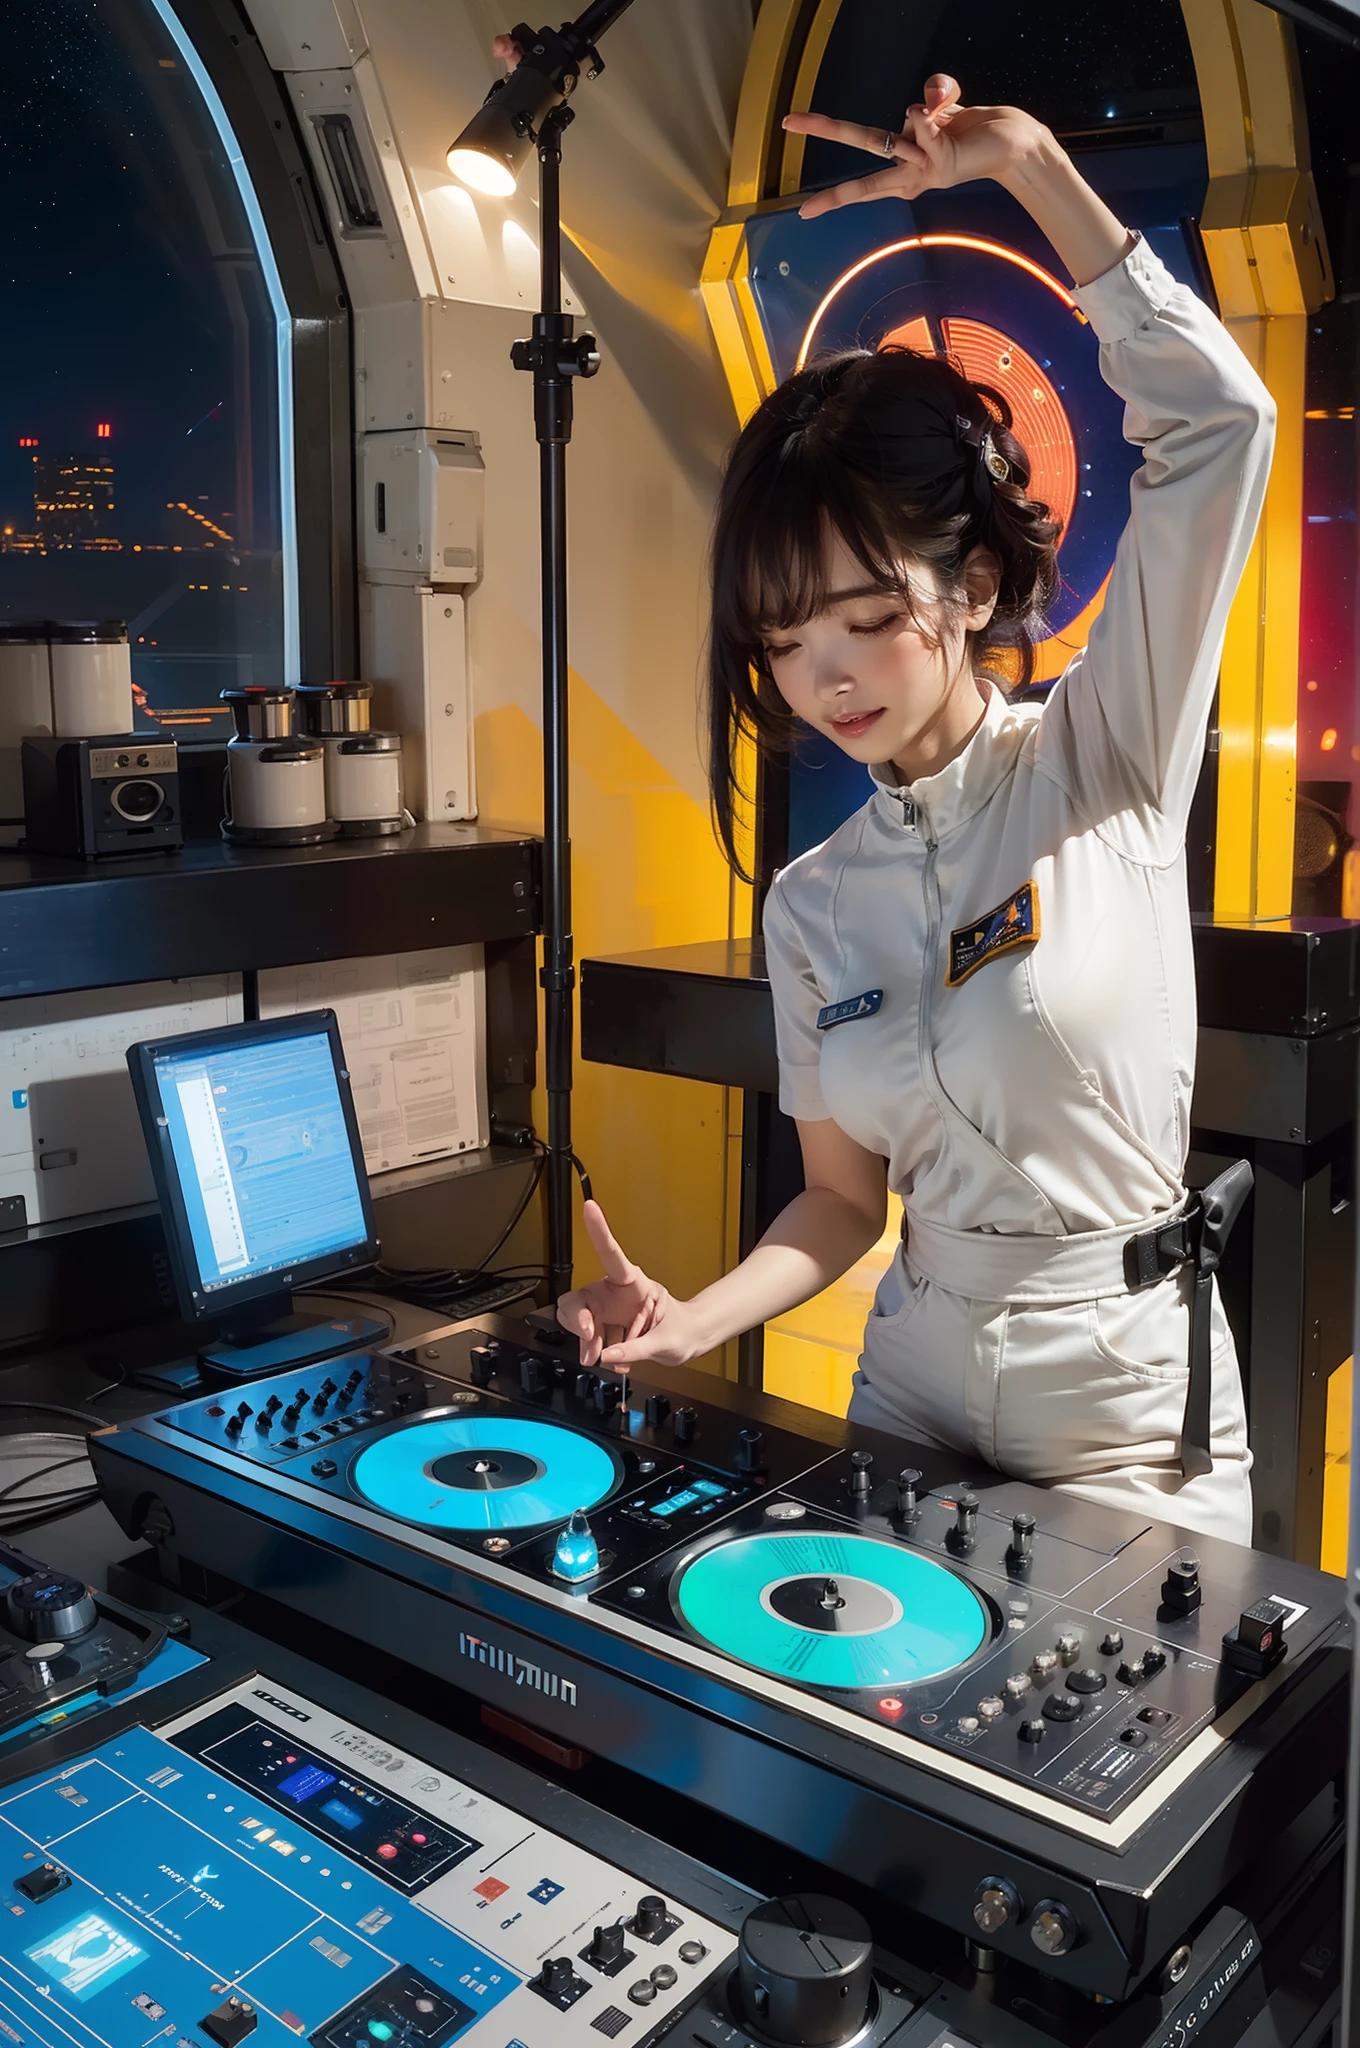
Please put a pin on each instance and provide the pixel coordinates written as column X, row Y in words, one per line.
column 838, row 1611
column 484, row 1472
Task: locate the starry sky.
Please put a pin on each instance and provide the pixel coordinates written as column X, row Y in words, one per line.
column 116, row 281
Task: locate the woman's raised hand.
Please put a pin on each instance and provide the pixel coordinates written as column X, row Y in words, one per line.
column 941, row 144
column 625, row 1318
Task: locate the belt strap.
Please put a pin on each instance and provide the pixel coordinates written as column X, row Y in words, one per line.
column 1197, row 1237
column 1030, row 1271
column 1026, row 1271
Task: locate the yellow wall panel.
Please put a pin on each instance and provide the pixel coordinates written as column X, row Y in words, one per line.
column 645, row 872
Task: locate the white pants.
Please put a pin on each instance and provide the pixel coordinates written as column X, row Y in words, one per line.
column 1086, row 1396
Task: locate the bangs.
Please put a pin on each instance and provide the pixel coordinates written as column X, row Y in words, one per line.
column 798, row 506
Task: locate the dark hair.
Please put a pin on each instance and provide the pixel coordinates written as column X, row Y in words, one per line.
column 905, row 459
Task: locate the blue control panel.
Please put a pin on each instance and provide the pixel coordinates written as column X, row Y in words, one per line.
column 261, row 1871
column 166, row 1894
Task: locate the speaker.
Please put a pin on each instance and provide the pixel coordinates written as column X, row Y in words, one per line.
column 94, row 797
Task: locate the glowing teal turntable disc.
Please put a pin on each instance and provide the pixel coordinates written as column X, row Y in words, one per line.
column 484, row 1472
column 838, row 1611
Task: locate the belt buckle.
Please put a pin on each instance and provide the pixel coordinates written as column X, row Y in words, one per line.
column 1152, row 1254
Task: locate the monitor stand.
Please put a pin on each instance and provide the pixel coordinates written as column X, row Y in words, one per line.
column 273, row 1336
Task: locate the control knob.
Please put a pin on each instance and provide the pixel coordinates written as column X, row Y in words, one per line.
column 607, row 1395
column 963, row 1535
column 555, row 1981
column 39, row 1658
column 1069, row 1645
column 1045, row 1663
column 861, row 1474
column 1257, row 1644
column 270, row 1409
column 1020, row 1549
column 683, row 1425
column 481, row 1366
column 585, row 1384
column 996, row 1904
column 534, row 1374
column 1181, row 1593
column 51, row 1606
column 805, row 1967
column 1053, row 1930
column 750, row 1450
column 1017, row 1685
column 907, row 1483
column 656, row 1408
column 649, row 1917
column 237, row 1422
column 606, row 1947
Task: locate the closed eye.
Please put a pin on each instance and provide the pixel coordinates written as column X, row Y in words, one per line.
column 879, row 625
column 779, row 653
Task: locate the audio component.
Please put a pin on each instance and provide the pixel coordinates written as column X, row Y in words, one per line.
column 259, row 1850
column 89, row 798
column 1042, row 1723
column 67, row 1651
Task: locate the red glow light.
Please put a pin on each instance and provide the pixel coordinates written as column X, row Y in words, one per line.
column 892, row 1708
column 104, row 432
column 974, row 242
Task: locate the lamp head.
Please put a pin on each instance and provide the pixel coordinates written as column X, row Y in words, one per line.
column 499, row 139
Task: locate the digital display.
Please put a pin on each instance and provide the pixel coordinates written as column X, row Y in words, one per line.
column 261, row 1150
column 306, row 1783
column 698, row 1490
column 404, row 1844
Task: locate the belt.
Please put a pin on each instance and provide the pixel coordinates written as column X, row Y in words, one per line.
column 1029, row 1272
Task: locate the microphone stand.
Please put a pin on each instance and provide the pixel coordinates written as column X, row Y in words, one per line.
column 555, row 356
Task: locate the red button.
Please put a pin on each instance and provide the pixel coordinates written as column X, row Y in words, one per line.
column 419, row 1841
column 387, row 1850
column 890, row 1707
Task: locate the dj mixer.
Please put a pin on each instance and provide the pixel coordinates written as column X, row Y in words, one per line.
column 1057, row 1730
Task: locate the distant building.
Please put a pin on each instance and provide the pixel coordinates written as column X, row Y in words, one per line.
column 73, row 502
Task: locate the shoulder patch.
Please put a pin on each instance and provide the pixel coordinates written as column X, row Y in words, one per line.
column 1013, row 923
column 867, row 1005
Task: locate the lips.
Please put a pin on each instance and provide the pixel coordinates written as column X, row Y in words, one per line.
column 855, row 728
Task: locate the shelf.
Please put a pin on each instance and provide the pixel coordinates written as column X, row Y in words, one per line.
column 214, row 908
column 407, row 1180
column 51, row 1271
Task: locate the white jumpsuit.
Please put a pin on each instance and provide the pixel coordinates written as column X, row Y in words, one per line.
column 1027, row 1072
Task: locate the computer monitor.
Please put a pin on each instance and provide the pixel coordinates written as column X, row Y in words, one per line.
column 255, row 1151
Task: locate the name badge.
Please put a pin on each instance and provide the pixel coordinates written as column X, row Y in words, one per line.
column 1013, row 923
column 867, row 1005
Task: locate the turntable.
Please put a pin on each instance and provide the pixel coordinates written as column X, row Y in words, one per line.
column 974, row 1696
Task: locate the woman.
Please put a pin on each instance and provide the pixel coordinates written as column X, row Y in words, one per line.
column 983, row 982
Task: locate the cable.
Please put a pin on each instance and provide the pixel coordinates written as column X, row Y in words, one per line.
column 440, row 1286
column 55, row 1408
column 23, row 1513
column 534, row 1179
column 100, row 1392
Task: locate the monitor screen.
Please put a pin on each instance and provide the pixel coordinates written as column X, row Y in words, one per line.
column 252, row 1135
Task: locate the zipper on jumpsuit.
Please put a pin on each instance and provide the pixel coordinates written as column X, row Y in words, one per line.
column 982, row 1426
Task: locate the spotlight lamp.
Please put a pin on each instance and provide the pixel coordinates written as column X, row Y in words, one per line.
column 500, row 138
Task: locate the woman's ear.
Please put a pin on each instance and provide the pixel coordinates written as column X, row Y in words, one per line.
column 982, row 585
